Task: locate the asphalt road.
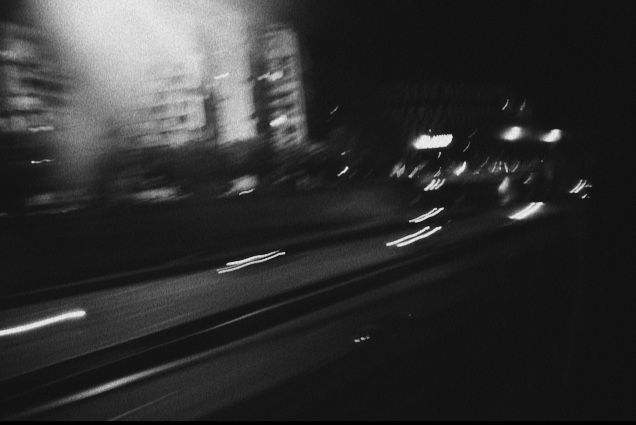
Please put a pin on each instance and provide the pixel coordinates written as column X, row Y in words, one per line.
column 40, row 252
column 113, row 316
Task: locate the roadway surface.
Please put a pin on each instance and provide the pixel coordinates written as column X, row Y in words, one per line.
column 40, row 252
column 113, row 316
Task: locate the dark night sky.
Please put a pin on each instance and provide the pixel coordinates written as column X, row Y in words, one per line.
column 562, row 55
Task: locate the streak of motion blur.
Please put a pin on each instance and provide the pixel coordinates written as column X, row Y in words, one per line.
column 310, row 209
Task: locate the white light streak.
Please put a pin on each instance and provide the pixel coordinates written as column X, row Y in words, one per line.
column 407, row 237
column 344, row 170
column 432, row 142
column 512, row 134
column 426, row 216
column 41, row 128
column 222, row 76
column 236, row 265
column 398, row 170
column 460, row 170
column 527, row 211
column 250, row 259
column 246, row 192
column 435, row 184
column 417, row 169
column 42, row 161
column 420, row 237
column 579, row 186
column 506, row 105
column 75, row 314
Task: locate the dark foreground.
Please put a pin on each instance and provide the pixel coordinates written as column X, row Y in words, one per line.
column 484, row 319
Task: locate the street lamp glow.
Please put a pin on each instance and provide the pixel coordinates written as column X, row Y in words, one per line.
column 512, row 134
column 432, row 142
column 553, row 136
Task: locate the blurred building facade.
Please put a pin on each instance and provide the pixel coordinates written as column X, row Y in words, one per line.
column 436, row 107
column 224, row 92
column 33, row 88
column 169, row 109
column 279, row 91
column 91, row 98
column 226, row 39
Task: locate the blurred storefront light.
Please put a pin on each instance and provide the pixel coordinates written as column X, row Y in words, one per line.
column 277, row 122
column 512, row 134
column 552, row 136
column 504, row 186
column 275, row 76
